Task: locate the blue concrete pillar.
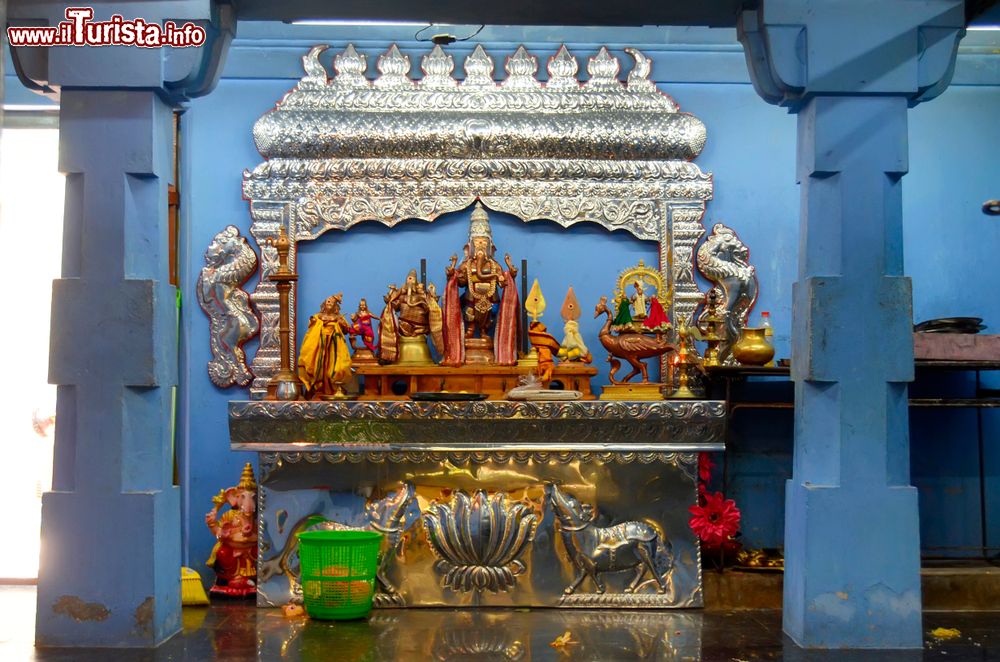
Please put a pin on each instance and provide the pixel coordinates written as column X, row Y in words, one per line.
column 852, row 544
column 110, row 567
column 110, row 526
column 850, row 70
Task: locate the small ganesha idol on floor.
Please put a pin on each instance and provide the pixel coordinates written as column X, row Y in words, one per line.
column 234, row 557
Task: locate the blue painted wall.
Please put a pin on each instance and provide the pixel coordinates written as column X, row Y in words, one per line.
column 750, row 151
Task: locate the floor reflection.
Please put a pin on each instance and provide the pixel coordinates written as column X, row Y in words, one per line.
column 485, row 636
column 239, row 631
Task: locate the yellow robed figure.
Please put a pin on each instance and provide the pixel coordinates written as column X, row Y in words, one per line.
column 324, row 359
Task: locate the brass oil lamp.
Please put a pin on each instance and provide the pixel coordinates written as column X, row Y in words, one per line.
column 683, row 363
column 712, row 327
column 285, row 384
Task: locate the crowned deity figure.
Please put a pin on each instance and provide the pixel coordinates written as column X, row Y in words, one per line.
column 362, row 324
column 234, row 557
column 638, row 300
column 469, row 317
column 411, row 314
column 324, row 360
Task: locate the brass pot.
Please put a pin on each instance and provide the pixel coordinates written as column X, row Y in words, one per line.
column 752, row 348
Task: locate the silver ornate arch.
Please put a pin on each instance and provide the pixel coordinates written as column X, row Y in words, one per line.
column 347, row 149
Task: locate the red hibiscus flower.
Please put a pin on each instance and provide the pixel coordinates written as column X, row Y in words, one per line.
column 705, row 466
column 715, row 522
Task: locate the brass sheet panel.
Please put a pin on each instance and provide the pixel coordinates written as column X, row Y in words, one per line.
column 495, row 533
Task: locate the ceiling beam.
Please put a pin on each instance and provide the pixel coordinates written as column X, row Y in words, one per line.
column 715, row 13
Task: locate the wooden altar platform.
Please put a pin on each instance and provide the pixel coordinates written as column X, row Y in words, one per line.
column 396, row 382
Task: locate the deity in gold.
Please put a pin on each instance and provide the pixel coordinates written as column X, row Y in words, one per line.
column 324, row 359
column 469, row 317
column 411, row 314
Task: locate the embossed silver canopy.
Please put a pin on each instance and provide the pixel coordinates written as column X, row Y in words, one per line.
column 345, row 149
column 396, row 117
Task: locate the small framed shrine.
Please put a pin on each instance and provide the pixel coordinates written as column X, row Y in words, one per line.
column 599, row 151
column 594, row 494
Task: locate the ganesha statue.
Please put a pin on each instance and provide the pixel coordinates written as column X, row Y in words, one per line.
column 234, row 557
column 410, row 316
column 469, row 317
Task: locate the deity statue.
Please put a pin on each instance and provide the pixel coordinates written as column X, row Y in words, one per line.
column 469, row 318
column 641, row 310
column 623, row 316
column 547, row 346
column 633, row 339
column 411, row 314
column 572, row 347
column 657, row 319
column 324, row 359
column 362, row 324
column 638, row 300
column 234, row 557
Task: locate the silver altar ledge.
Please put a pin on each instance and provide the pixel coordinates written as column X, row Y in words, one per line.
column 495, row 503
column 489, row 426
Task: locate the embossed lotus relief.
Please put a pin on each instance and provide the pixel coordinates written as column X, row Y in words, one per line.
column 479, row 540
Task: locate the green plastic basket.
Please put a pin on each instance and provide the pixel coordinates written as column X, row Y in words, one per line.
column 338, row 572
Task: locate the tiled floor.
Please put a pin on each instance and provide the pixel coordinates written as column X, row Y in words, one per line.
column 241, row 632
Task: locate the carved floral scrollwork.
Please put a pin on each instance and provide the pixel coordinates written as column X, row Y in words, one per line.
column 521, row 68
column 563, row 68
column 437, row 67
column 340, row 213
column 478, row 540
column 478, row 69
column 603, row 69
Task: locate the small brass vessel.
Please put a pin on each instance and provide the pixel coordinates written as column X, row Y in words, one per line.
column 752, row 348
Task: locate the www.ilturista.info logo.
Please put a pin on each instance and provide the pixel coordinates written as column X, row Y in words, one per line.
column 79, row 29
